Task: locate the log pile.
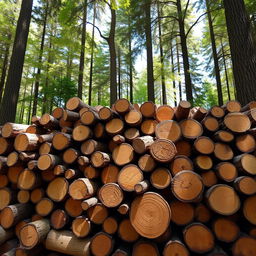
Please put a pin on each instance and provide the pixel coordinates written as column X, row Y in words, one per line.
column 130, row 180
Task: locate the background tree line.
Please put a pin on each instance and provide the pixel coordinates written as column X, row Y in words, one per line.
column 53, row 50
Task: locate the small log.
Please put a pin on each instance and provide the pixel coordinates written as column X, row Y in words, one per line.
column 182, row 213
column 49, row 122
column 249, row 106
column 245, row 185
column 110, row 225
column 28, row 180
column 58, row 112
column 225, row 230
column 13, row 214
column 100, row 159
column 223, row 151
column 36, row 195
column 13, row 159
column 142, row 144
column 187, row 186
column 129, row 176
column 126, row 231
column 159, row 209
column 82, row 188
column 204, row 145
column 46, row 148
column 148, row 126
column 203, row 162
column 59, row 170
column 75, row 104
column 67, row 243
column 10, row 130
column 141, row 187
column 34, row 129
column 217, row 199
column 244, row 245
column 7, row 196
column 59, row 219
column 98, row 213
column 3, row 180
column 81, row 227
column 175, row 247
column 106, row 114
column 6, row 146
column 145, row 248
column 148, row 109
column 245, row 163
column 198, row 113
column 57, row 189
column 226, row 171
column 131, row 133
column 111, row 195
column 88, row 203
column 99, row 131
column 28, row 156
column 48, row 161
column 123, row 154
column 146, row 163
column 181, row 163
column 109, row 174
column 246, row 143
column 118, row 139
column 90, row 146
column 202, row 213
column 122, row 106
column 81, row 133
column 71, row 174
column 101, row 244
column 114, row 126
column 133, row 118
column 210, row 124
column 89, row 117
column 73, row 207
column 70, row 155
column 70, row 116
column 232, row 106
column 44, row 207
column 123, row 209
column 183, row 148
column 13, row 173
column 46, row 137
column 91, row 172
column 237, row 122
column 198, row 238
column 249, row 209
column 182, row 110
column 164, row 112
column 209, row 178
column 168, row 129
column 191, row 129
column 160, row 178
column 216, row 112
column 223, row 136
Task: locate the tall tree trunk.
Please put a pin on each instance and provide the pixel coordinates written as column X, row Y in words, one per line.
column 92, row 56
column 23, row 104
column 30, row 102
column 214, row 54
column 5, row 65
column 130, row 60
column 40, row 58
column 161, row 55
column 12, row 88
column 112, row 51
column 173, row 81
column 150, row 71
column 243, row 50
column 184, row 48
column 119, row 73
column 178, row 66
column 82, row 52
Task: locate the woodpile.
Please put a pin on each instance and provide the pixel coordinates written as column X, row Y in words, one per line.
column 130, row 180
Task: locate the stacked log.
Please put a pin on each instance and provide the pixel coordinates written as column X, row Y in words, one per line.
column 130, row 180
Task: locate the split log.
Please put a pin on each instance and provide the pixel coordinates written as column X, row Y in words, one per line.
column 81, row 227
column 168, row 129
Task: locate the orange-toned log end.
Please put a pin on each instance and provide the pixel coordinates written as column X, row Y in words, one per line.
column 183, row 148
column 148, row 126
column 110, row 225
column 161, row 178
column 109, row 174
column 164, row 112
column 111, row 195
column 129, row 176
column 245, row 143
column 182, row 213
column 224, row 136
column 100, row 159
column 114, row 126
column 6, row 196
column 81, row 133
column 131, row 133
column 232, row 106
column 36, row 195
column 70, row 155
column 174, row 248
column 75, row 104
column 191, row 129
column 98, row 213
column 81, row 226
column 226, row 171
column 61, row 140
column 150, row 215
column 182, row 110
column 217, row 112
column 202, row 213
column 123, row 154
column 237, row 122
column 198, row 238
column 58, row 112
column 249, row 209
column 44, row 207
column 244, row 246
column 82, row 188
column 23, row 196
column 123, row 209
column 73, row 207
column 147, row 163
column 181, row 163
column 142, row 144
column 223, row 151
column 3, row 180
column 28, row 180
column 203, row 162
column 148, row 109
column 122, row 106
column 246, row 163
column 204, row 145
column 163, row 150
column 145, row 248
column 101, row 244
column 168, row 129
column 57, row 189
column 59, row 218
column 223, row 199
column 226, row 230
column 209, row 178
column 126, row 231
column 245, row 185
column 187, row 186
column 210, row 124
column 133, row 118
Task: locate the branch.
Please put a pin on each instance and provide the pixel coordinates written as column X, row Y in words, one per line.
column 185, row 12
column 104, row 37
column 168, row 2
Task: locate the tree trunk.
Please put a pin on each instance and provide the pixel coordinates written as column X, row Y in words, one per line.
column 178, row 64
column 23, row 104
column 150, row 71
column 11, row 93
column 184, row 48
column 112, row 51
column 130, row 61
column 81, row 63
column 243, row 50
column 161, row 56
column 30, row 102
column 119, row 73
column 92, row 55
column 173, row 82
column 214, row 54
column 4, row 67
column 40, row 61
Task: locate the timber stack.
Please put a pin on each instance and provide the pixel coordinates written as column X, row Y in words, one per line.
column 135, row 180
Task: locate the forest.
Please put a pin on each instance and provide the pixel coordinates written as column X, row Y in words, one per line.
column 203, row 51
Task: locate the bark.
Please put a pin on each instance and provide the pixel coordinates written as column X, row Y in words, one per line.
column 178, row 64
column 184, row 48
column 40, row 61
column 11, row 93
column 4, row 67
column 119, row 73
column 243, row 50
column 82, row 52
column 214, row 54
column 150, row 72
column 161, row 56
column 92, row 56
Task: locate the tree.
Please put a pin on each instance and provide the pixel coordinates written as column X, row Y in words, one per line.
column 11, row 93
column 243, row 49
